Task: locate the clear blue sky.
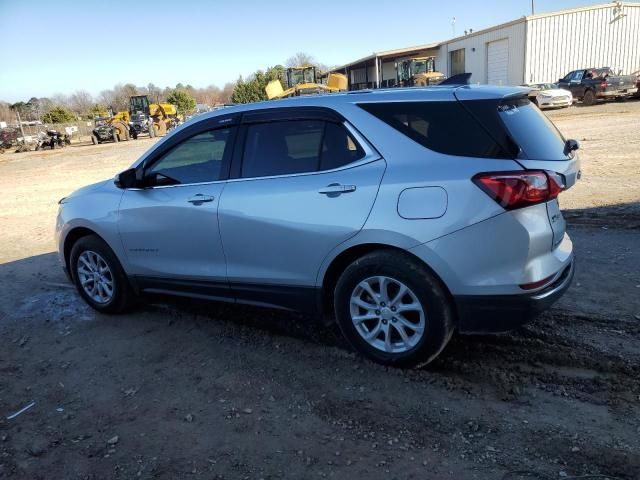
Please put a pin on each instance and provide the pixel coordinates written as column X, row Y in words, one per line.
column 49, row 47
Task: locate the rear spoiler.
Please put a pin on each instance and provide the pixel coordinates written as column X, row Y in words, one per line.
column 460, row 79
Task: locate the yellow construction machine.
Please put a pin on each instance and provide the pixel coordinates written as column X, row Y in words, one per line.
column 146, row 117
column 304, row 81
column 418, row 72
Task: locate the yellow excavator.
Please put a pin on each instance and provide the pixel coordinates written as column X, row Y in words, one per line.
column 418, row 72
column 304, row 81
column 145, row 117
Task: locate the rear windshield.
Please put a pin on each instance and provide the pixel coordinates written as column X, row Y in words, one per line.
column 531, row 130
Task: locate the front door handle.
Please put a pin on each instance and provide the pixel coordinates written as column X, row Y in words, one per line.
column 335, row 189
column 200, row 198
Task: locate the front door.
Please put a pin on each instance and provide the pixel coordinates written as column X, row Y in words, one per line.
column 305, row 187
column 169, row 228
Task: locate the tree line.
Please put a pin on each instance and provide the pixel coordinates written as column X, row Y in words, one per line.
column 82, row 105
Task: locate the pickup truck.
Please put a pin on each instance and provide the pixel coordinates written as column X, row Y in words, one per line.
column 591, row 84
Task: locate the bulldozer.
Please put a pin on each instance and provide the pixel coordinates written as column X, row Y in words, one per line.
column 146, row 117
column 418, row 72
column 304, row 81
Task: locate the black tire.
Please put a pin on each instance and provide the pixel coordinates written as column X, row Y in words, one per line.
column 94, row 140
column 122, row 298
column 432, row 295
column 589, row 98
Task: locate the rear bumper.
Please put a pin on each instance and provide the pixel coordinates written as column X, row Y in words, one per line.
column 501, row 313
column 617, row 93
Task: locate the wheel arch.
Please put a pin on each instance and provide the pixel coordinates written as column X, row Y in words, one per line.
column 341, row 261
column 72, row 238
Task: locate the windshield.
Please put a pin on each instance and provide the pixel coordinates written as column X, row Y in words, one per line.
column 532, row 131
column 300, row 75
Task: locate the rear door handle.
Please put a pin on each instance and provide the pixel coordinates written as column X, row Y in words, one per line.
column 200, row 198
column 335, row 189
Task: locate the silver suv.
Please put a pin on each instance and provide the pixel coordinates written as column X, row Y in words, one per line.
column 404, row 214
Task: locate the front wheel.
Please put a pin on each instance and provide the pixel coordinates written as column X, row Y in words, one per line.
column 392, row 309
column 98, row 276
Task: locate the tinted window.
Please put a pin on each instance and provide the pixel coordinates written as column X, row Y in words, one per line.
column 444, row 127
column 280, row 148
column 538, row 138
column 197, row 159
column 338, row 148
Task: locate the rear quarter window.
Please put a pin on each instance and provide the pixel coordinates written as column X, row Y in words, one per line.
column 444, row 127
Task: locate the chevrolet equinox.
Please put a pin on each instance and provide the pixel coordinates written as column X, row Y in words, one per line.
column 403, row 214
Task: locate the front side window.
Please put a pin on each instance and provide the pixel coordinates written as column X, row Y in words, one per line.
column 197, row 159
column 301, row 146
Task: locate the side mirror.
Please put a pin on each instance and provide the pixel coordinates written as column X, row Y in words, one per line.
column 561, row 80
column 570, row 146
column 126, row 179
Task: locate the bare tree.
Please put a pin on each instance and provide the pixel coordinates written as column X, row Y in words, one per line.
column 81, row 102
column 227, row 91
column 6, row 114
column 118, row 97
column 301, row 59
column 154, row 93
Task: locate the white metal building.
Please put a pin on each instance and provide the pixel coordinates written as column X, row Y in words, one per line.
column 537, row 48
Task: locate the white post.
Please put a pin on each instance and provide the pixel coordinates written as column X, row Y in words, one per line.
column 377, row 74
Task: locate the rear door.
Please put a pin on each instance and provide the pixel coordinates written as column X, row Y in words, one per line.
column 305, row 182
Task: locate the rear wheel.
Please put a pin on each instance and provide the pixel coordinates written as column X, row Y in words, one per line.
column 98, row 276
column 116, row 136
column 589, row 98
column 94, row 140
column 393, row 310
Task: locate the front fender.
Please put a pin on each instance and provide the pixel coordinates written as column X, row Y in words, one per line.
column 98, row 213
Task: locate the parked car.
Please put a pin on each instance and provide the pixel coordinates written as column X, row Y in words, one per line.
column 592, row 84
column 548, row 95
column 402, row 214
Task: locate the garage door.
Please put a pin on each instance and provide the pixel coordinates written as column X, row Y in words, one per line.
column 498, row 62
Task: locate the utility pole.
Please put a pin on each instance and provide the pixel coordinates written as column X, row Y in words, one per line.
column 533, row 7
column 20, row 123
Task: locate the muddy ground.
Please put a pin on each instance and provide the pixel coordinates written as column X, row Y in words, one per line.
column 182, row 389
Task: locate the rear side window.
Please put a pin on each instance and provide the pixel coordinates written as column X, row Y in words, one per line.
column 297, row 146
column 280, row 148
column 444, row 127
column 339, row 148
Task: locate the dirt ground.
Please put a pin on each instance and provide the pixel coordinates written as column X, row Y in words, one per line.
column 183, row 389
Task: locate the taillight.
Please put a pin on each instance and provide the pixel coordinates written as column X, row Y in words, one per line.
column 520, row 189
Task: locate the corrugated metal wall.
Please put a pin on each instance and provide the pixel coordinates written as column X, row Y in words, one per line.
column 476, row 61
column 589, row 38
